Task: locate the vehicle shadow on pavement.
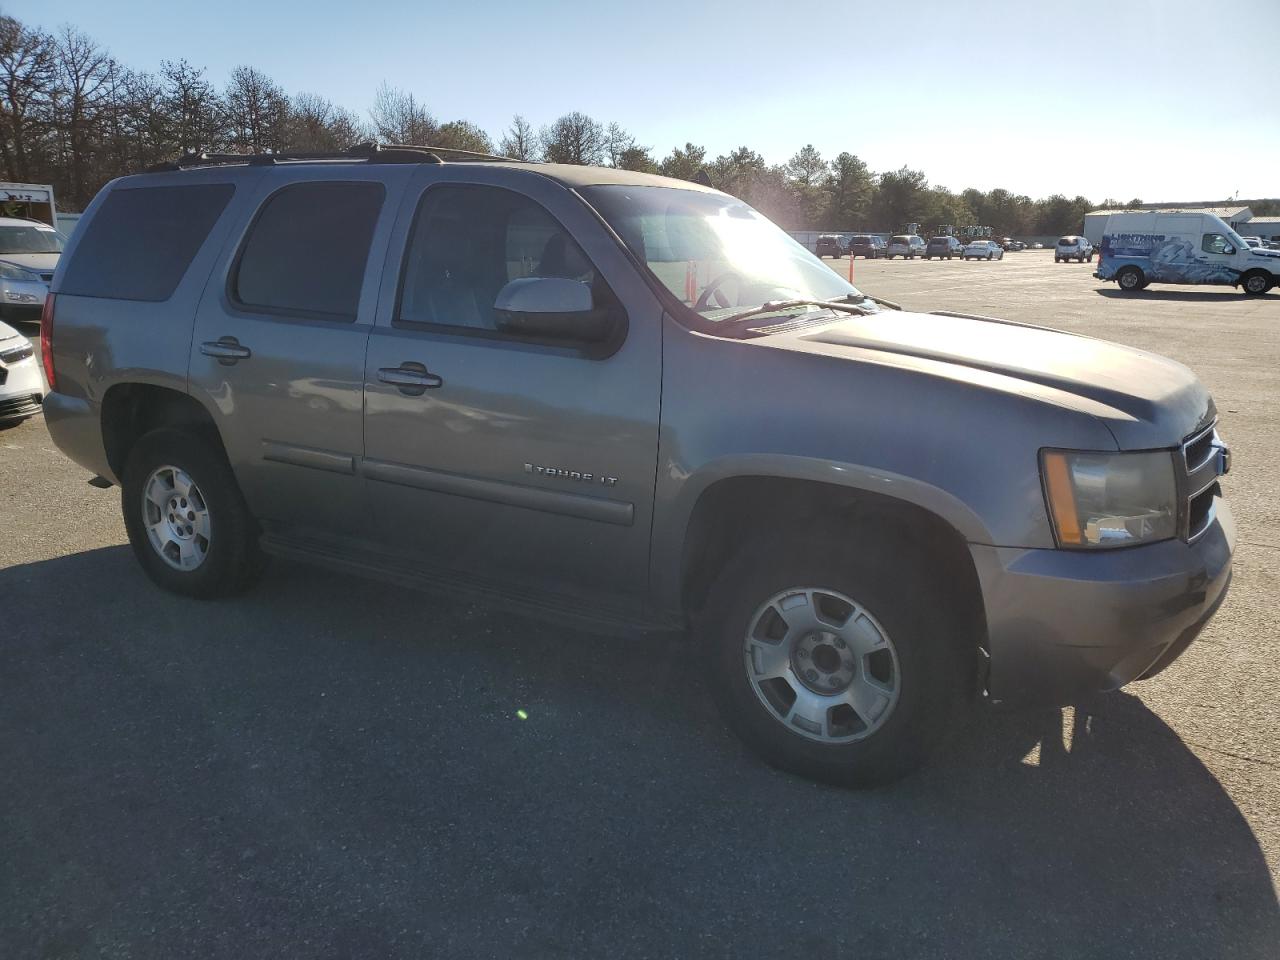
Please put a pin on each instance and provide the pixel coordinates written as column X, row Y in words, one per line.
column 330, row 767
column 1187, row 296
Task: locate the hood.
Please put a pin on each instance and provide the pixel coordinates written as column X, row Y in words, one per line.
column 8, row 333
column 1264, row 252
column 1146, row 401
column 43, row 262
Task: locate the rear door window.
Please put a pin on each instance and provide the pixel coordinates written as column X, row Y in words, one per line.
column 306, row 252
column 141, row 241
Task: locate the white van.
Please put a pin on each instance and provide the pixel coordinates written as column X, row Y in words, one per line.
column 1186, row 247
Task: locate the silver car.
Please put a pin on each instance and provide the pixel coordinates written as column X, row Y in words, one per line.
column 907, row 246
column 1073, row 248
column 634, row 402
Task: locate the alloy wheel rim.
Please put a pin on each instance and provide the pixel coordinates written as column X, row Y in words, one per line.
column 176, row 517
column 822, row 665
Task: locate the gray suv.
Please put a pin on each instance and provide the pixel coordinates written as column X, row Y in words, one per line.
column 634, row 402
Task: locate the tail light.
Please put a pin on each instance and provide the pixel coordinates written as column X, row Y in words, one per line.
column 46, row 342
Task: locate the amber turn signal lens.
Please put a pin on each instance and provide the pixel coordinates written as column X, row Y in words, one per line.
column 1062, row 498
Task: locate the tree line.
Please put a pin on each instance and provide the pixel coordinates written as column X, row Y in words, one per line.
column 73, row 116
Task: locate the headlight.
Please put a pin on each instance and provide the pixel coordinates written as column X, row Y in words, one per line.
column 1099, row 500
column 11, row 271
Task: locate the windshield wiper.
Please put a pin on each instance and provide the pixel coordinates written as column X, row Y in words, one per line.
column 777, row 306
column 884, row 303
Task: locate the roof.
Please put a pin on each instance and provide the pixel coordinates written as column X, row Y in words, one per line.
column 570, row 175
column 1223, row 213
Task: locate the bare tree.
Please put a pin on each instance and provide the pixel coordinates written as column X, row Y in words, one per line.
column 193, row 113
column 257, row 111
column 574, row 138
column 316, row 124
column 399, row 118
column 519, row 142
column 81, row 99
column 616, row 142
column 27, row 70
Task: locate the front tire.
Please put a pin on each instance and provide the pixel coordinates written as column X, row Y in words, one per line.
column 186, row 519
column 832, row 662
column 1255, row 284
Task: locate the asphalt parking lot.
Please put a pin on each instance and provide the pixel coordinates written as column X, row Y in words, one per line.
column 331, row 767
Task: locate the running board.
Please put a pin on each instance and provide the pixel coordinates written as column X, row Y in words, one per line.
column 551, row 609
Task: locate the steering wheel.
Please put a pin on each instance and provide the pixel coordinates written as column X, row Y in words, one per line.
column 713, row 289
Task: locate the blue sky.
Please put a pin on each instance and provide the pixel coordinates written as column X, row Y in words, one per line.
column 1167, row 100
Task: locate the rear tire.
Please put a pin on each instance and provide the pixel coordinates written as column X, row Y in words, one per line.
column 1131, row 279
column 911, row 678
column 178, row 483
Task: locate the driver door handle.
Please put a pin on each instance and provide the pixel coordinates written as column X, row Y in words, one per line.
column 226, row 350
column 412, row 378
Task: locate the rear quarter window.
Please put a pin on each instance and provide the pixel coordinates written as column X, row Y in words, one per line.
column 141, row 241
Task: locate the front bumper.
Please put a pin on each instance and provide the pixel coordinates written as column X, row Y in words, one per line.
column 22, row 300
column 21, row 389
column 1063, row 623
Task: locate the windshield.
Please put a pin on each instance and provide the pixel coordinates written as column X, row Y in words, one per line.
column 29, row 240
column 714, row 252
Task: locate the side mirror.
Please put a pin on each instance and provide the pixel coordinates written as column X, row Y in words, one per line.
column 1228, row 249
column 552, row 307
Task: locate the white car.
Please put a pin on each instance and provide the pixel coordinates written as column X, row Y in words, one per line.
column 1255, row 242
column 21, row 386
column 1073, row 248
column 983, row 250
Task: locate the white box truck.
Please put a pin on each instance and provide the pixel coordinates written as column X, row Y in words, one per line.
column 1182, row 247
column 28, row 201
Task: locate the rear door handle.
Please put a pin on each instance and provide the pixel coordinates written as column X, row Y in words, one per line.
column 226, row 350
column 411, row 377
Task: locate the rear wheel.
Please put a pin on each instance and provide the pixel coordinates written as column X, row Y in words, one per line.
column 187, row 521
column 1257, row 283
column 1131, row 279
column 836, row 664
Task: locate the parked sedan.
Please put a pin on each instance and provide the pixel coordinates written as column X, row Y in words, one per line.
column 941, row 247
column 983, row 250
column 21, row 387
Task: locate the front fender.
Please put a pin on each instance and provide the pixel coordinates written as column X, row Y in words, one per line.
column 673, row 514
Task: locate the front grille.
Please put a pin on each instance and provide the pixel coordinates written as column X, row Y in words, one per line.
column 1205, row 458
column 19, row 406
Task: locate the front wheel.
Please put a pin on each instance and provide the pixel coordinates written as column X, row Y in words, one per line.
column 1256, row 284
column 186, row 519
column 835, row 663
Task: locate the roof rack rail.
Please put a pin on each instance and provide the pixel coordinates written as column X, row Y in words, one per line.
column 369, row 152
